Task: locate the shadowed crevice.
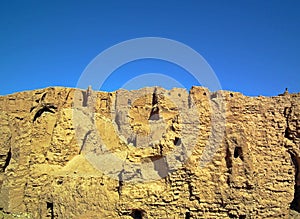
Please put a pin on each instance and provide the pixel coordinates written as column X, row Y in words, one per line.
column 160, row 165
column 50, row 210
column 84, row 140
column 7, row 160
column 45, row 108
column 295, row 204
column 154, row 114
column 228, row 161
column 121, row 182
column 187, row 215
column 85, row 98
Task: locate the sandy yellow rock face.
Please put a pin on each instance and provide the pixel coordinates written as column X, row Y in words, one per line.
column 151, row 153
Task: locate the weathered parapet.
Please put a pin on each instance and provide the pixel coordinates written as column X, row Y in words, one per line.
column 44, row 171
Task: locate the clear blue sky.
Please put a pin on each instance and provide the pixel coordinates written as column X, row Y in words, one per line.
column 253, row 46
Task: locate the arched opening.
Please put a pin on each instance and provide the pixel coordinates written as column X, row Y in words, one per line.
column 238, row 153
column 137, row 214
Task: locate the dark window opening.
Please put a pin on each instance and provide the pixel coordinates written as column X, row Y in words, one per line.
column 187, row 215
column 59, row 182
column 231, row 94
column 50, row 210
column 137, row 214
column 273, row 113
column 177, row 141
column 238, row 153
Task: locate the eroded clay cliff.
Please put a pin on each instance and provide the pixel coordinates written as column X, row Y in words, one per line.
column 151, row 153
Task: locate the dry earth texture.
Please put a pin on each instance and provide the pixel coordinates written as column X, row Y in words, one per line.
column 151, row 153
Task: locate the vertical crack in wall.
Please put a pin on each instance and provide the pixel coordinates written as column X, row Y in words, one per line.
column 121, row 182
column 295, row 204
column 118, row 120
column 192, row 196
column 43, row 97
column 67, row 97
column 190, row 100
column 288, row 134
column 228, row 161
column 84, row 140
column 154, row 114
column 7, row 160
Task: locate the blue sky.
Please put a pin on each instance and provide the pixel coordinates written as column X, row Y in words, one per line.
column 252, row 46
